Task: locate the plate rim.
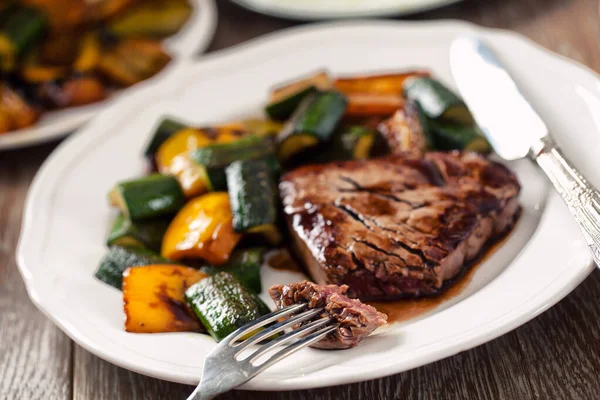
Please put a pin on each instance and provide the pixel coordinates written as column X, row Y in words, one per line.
column 281, row 35
column 203, row 27
column 389, row 11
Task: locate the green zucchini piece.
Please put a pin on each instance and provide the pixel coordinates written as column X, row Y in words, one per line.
column 21, row 27
column 244, row 265
column 314, row 121
column 148, row 197
column 119, row 258
column 437, row 100
column 252, row 195
column 458, row 137
column 286, row 98
column 148, row 233
column 216, row 157
column 223, row 304
column 166, row 128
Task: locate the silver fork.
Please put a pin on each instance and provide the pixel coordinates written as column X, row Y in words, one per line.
column 223, row 371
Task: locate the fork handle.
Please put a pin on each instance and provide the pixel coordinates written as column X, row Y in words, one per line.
column 581, row 197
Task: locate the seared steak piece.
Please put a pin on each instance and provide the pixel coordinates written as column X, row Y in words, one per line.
column 357, row 320
column 398, row 226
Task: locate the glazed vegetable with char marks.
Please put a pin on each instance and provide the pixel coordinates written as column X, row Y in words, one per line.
column 202, row 229
column 154, row 299
column 223, row 304
column 152, row 19
column 148, row 197
column 118, row 258
column 253, row 196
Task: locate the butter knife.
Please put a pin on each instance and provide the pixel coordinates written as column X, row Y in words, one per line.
column 486, row 88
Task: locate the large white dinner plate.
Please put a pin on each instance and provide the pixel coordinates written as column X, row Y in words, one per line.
column 332, row 9
column 67, row 215
column 193, row 38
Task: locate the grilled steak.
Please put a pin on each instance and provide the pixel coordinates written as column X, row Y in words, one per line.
column 398, row 226
column 357, row 320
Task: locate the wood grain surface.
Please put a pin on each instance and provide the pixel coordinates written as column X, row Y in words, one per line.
column 555, row 356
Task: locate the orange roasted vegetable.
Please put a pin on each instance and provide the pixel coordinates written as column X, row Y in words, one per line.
column 202, row 229
column 15, row 113
column 172, row 157
column 133, row 60
column 153, row 299
column 374, row 95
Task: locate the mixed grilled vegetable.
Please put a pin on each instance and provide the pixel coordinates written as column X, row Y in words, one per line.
column 188, row 239
column 63, row 53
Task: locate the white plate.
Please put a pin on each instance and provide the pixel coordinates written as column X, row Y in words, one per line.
column 67, row 215
column 332, row 9
column 193, row 38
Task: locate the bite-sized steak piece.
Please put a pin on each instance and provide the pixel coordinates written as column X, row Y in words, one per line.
column 398, row 226
column 356, row 320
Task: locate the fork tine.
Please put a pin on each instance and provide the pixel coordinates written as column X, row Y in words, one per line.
column 262, row 321
column 278, row 327
column 300, row 344
column 289, row 336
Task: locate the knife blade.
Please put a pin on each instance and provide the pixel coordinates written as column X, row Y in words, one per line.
column 494, row 99
column 496, row 103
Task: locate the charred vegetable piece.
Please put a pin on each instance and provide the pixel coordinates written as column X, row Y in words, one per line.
column 21, row 27
column 148, row 197
column 286, row 98
column 313, row 121
column 356, row 142
column 404, row 132
column 133, row 60
column 15, row 112
column 202, row 229
column 262, row 127
column 374, row 95
column 166, row 128
column 148, row 233
column 76, row 91
column 89, row 55
column 34, row 73
column 118, row 258
column 152, row 19
column 216, row 157
column 451, row 136
column 223, row 304
column 437, row 101
column 253, row 194
column 154, row 299
column 244, row 265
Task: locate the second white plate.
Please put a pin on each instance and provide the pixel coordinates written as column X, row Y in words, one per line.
column 337, row 9
column 67, row 216
column 192, row 39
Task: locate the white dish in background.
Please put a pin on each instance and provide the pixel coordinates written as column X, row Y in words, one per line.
column 67, row 216
column 193, row 38
column 335, row 9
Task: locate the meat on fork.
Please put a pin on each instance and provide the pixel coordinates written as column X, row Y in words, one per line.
column 400, row 226
column 356, row 320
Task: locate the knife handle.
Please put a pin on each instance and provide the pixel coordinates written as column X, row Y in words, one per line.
column 581, row 197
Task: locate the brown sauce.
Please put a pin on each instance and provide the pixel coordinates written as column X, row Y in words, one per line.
column 282, row 260
column 407, row 309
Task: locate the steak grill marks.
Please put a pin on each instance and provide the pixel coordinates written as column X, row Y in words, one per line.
column 397, row 227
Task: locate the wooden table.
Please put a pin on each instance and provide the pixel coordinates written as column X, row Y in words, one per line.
column 555, row 356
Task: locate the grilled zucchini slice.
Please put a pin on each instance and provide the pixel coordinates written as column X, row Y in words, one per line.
column 148, row 233
column 223, row 304
column 286, row 98
column 253, row 194
column 148, row 197
column 244, row 265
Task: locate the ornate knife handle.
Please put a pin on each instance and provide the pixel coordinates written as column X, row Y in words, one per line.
column 581, row 197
